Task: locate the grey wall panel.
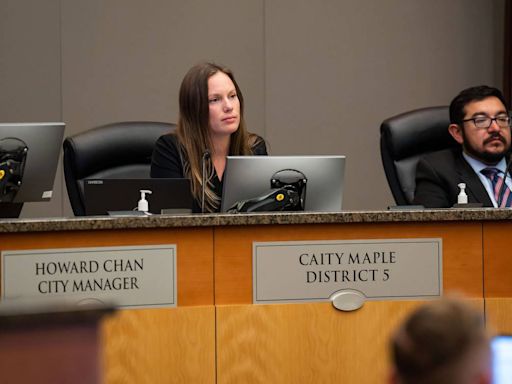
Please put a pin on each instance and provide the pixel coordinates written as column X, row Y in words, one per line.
column 30, row 81
column 124, row 60
column 336, row 69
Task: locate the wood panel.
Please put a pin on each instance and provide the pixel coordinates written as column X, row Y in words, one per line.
column 462, row 248
column 194, row 250
column 496, row 253
column 308, row 343
column 160, row 346
column 305, row 343
column 498, row 314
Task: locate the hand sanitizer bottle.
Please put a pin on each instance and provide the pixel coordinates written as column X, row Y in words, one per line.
column 143, row 205
column 462, row 198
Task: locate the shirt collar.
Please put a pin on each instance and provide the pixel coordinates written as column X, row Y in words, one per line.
column 477, row 165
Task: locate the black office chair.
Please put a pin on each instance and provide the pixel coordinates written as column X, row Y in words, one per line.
column 118, row 150
column 404, row 138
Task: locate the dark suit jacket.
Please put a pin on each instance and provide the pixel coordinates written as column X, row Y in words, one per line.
column 437, row 176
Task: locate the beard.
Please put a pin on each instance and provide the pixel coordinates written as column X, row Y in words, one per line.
column 486, row 157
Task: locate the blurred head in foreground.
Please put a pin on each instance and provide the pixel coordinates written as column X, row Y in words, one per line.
column 443, row 341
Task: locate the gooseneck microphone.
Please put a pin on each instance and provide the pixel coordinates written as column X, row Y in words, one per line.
column 206, row 156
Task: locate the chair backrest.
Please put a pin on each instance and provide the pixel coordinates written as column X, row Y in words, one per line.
column 404, row 139
column 117, row 150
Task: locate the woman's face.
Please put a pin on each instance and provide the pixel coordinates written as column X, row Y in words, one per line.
column 224, row 105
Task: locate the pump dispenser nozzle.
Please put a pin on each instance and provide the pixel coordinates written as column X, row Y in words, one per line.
column 462, row 198
column 143, row 205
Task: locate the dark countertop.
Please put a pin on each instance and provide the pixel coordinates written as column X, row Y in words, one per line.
column 214, row 220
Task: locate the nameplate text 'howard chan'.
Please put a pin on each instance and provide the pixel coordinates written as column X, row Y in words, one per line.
column 127, row 276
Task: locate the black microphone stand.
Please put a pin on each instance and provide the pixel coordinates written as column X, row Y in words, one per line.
column 206, row 156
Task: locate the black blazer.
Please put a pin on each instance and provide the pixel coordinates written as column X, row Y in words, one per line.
column 437, row 176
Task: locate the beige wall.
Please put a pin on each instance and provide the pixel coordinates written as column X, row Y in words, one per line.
column 318, row 76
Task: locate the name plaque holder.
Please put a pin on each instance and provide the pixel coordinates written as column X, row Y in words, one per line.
column 347, row 300
column 129, row 276
column 347, row 272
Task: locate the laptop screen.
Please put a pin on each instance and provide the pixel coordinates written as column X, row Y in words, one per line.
column 248, row 177
column 107, row 195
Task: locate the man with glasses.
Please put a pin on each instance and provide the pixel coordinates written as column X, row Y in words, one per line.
column 480, row 123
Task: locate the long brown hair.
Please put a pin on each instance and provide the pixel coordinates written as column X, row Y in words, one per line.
column 193, row 130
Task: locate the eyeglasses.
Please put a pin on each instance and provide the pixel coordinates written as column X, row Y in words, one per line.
column 485, row 122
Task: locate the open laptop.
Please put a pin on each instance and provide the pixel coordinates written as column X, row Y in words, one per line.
column 104, row 196
column 247, row 177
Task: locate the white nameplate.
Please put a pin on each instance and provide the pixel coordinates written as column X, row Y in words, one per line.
column 295, row 271
column 134, row 276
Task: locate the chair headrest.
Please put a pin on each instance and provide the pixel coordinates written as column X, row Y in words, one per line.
column 419, row 131
column 113, row 145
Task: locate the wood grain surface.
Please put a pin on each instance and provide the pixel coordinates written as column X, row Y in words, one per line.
column 497, row 253
column 462, row 251
column 160, row 346
column 308, row 343
column 194, row 252
column 305, row 343
column 499, row 314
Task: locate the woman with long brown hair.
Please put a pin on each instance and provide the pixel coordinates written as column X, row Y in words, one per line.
column 211, row 126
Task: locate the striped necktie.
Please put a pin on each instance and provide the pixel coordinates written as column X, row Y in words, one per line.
column 493, row 174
